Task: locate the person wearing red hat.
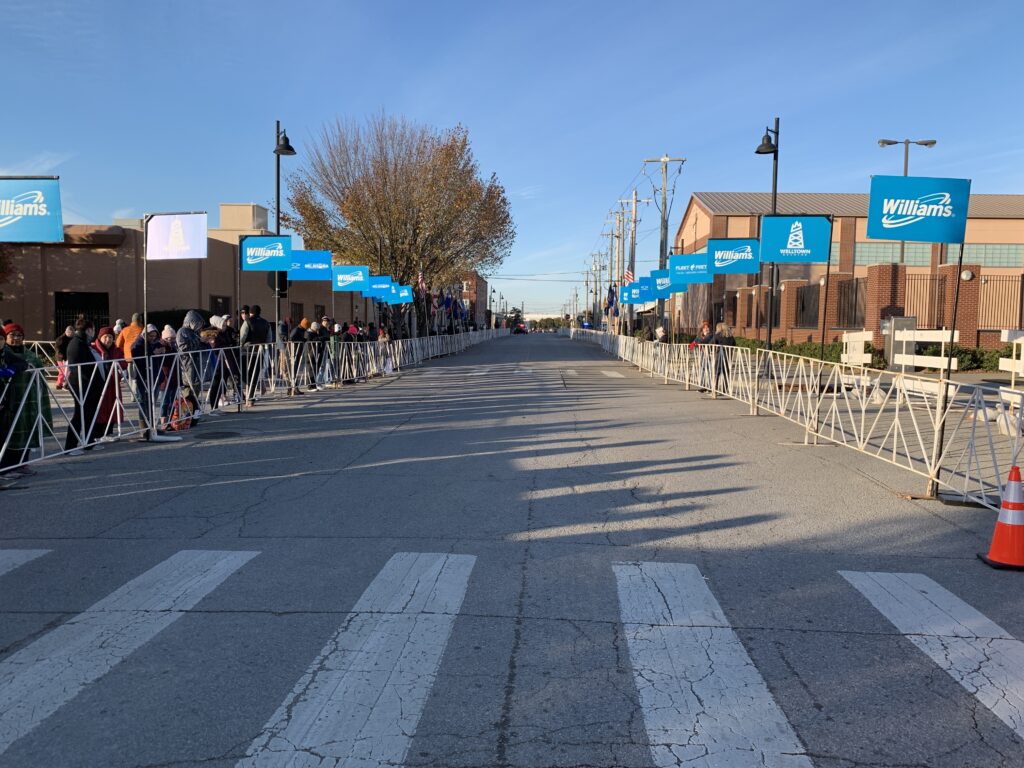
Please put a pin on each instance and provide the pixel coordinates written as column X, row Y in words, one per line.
column 110, row 412
column 26, row 402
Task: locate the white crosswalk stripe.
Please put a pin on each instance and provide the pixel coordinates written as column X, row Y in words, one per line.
column 975, row 651
column 571, row 372
column 40, row 678
column 361, row 699
column 13, row 558
column 704, row 703
column 613, row 374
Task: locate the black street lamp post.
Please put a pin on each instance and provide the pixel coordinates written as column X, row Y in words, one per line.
column 769, row 147
column 283, row 147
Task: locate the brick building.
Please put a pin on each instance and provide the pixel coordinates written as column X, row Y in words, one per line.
column 474, row 296
column 97, row 271
column 866, row 283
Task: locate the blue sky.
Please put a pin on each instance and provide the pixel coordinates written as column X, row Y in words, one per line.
column 171, row 105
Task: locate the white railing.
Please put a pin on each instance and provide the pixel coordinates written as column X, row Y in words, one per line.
column 961, row 437
column 106, row 401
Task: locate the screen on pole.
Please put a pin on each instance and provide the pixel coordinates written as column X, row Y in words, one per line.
column 30, row 210
column 175, row 236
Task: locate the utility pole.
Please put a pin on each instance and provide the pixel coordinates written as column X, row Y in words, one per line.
column 663, row 253
column 586, row 293
column 630, row 271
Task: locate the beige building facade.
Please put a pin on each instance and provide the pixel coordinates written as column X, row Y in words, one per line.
column 98, row 271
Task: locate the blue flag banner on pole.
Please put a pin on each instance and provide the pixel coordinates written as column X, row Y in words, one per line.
column 918, row 208
column 686, row 268
column 346, row 278
column 260, row 253
column 662, row 283
column 646, row 289
column 379, row 286
column 734, row 256
column 624, row 295
column 30, row 211
column 405, row 294
column 796, row 239
column 310, row 265
column 634, row 293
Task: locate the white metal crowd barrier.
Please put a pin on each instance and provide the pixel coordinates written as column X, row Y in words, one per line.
column 113, row 399
column 961, row 437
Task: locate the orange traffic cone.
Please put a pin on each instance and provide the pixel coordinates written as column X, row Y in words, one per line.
column 1007, row 550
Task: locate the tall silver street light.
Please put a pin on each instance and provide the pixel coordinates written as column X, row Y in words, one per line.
column 769, row 147
column 283, row 147
column 906, row 164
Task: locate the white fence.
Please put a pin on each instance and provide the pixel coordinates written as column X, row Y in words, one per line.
column 961, row 437
column 106, row 401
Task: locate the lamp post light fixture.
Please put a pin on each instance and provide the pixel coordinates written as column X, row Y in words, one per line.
column 769, row 146
column 283, row 147
column 883, row 143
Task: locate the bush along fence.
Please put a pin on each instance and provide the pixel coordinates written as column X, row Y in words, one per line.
column 156, row 395
column 960, row 438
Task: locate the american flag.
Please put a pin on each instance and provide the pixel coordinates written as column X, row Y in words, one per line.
column 627, row 277
column 421, row 282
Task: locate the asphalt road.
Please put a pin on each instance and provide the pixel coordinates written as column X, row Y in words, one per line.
column 525, row 555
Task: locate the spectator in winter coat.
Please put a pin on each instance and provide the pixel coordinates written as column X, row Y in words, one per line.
column 24, row 404
column 296, row 350
column 191, row 355
column 147, row 357
column 126, row 338
column 255, row 330
column 111, row 409
column 85, row 381
column 60, row 348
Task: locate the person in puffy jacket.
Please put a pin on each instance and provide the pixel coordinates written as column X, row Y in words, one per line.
column 192, row 358
column 85, row 382
column 110, row 411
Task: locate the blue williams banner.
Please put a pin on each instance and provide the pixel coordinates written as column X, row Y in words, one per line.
column 310, row 265
column 796, row 239
column 662, row 283
column 686, row 268
column 30, row 211
column 624, row 294
column 347, row 278
column 634, row 292
column 918, row 208
column 734, row 256
column 265, row 254
column 405, row 294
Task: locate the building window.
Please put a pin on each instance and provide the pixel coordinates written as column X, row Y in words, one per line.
column 319, row 310
column 296, row 313
column 988, row 254
column 220, row 305
column 915, row 254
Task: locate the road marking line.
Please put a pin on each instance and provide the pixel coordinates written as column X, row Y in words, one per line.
column 13, row 558
column 570, row 372
column 484, row 372
column 975, row 651
column 704, row 703
column 361, row 699
column 40, row 678
column 613, row 374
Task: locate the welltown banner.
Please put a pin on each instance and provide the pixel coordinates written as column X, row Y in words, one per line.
column 262, row 253
column 347, row 278
column 310, row 265
column 796, row 239
column 918, row 208
column 30, row 210
column 734, row 256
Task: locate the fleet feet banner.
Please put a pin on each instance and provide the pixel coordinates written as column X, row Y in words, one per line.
column 918, row 208
column 734, row 256
column 30, row 210
column 796, row 239
column 686, row 268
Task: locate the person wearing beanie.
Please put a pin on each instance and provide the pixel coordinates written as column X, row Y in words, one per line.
column 85, row 382
column 297, row 355
column 126, row 338
column 148, row 355
column 110, row 412
column 317, row 354
column 168, row 334
column 20, row 426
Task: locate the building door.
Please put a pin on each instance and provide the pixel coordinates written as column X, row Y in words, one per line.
column 67, row 306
